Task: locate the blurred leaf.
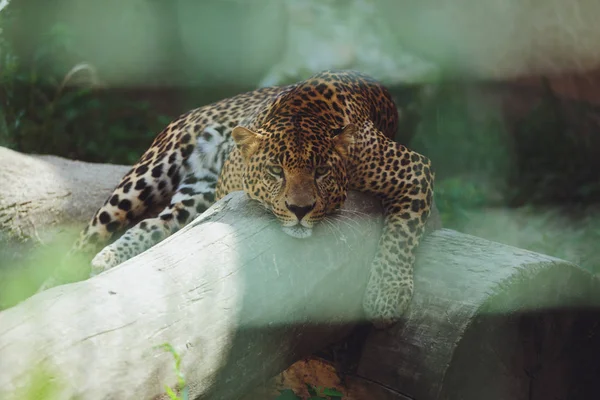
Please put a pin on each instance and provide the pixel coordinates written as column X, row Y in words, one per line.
column 287, row 394
column 332, row 392
column 311, row 389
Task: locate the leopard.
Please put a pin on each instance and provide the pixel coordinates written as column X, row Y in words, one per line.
column 297, row 150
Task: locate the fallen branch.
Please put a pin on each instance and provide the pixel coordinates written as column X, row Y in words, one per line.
column 240, row 302
column 236, row 298
column 39, row 193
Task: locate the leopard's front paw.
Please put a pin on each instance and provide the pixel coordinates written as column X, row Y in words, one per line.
column 107, row 258
column 385, row 304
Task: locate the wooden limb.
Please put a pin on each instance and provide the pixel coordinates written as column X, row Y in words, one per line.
column 44, row 202
column 237, row 299
column 487, row 321
column 240, row 302
column 43, row 192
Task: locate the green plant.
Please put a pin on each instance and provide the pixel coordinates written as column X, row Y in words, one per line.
column 455, row 197
column 52, row 103
column 556, row 145
column 315, row 392
column 43, row 385
column 181, row 385
column 26, row 263
column 462, row 136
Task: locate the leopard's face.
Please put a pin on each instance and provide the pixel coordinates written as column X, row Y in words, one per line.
column 301, row 179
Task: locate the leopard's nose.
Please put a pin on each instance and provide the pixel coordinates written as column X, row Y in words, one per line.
column 300, row 211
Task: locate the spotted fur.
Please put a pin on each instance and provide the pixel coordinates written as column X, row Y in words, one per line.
column 296, row 149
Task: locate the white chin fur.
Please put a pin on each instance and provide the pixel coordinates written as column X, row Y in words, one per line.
column 297, row 231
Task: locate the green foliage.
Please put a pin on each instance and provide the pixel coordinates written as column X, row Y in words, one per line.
column 556, row 146
column 24, row 265
column 546, row 157
column 454, row 197
column 287, row 394
column 49, row 108
column 316, row 393
column 181, row 385
column 43, row 385
column 462, row 136
column 324, row 393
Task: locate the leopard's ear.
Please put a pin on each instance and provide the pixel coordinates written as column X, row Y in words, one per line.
column 246, row 140
column 344, row 139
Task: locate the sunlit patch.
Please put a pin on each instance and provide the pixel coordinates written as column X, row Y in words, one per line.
column 297, row 231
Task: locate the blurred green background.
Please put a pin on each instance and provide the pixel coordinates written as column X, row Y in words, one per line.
column 96, row 81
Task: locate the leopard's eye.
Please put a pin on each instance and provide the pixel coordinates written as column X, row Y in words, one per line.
column 275, row 170
column 322, row 171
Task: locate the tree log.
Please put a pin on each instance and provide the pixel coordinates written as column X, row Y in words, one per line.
column 43, row 192
column 487, row 321
column 240, row 302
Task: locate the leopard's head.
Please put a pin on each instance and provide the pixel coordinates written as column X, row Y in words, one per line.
column 297, row 171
